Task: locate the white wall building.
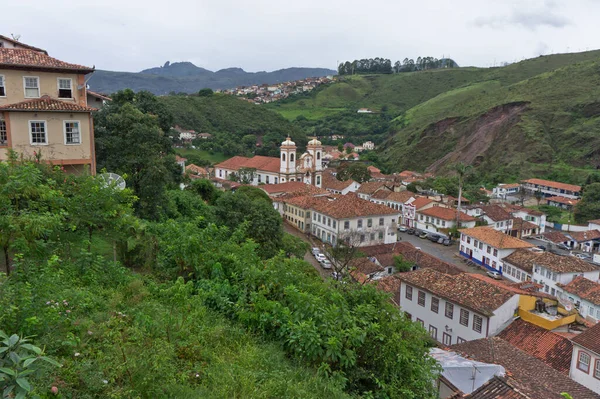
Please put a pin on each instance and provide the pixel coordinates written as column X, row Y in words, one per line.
column 456, row 308
column 551, row 270
column 552, row 188
column 351, row 218
column 585, row 296
column 487, row 247
column 436, row 219
column 506, row 190
column 585, row 362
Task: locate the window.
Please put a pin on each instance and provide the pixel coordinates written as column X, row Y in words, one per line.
column 37, row 132
column 583, row 362
column 372, row 236
column 459, row 340
column 494, row 264
column 346, row 225
column 495, row 252
column 518, row 275
column 318, row 180
column 489, row 249
column 447, row 339
column 314, row 216
column 220, row 173
column 421, row 298
column 449, row 310
column 369, row 222
column 597, row 369
column 319, row 218
column 362, row 238
column 435, row 304
column 359, row 223
column 3, row 133
column 443, row 223
column 2, row 87
column 329, row 222
column 421, row 322
column 480, row 245
column 433, row 332
column 72, row 135
column 283, row 157
column 381, row 221
column 292, row 157
column 32, row 86
column 475, row 243
column 380, row 235
column 409, row 292
column 318, row 155
column 468, row 240
column 408, row 315
column 464, row 317
column 334, row 224
column 259, row 178
column 65, row 88
column 477, row 323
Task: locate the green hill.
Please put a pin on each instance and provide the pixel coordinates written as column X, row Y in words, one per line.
column 509, row 122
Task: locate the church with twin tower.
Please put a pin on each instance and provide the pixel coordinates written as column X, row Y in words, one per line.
column 308, row 168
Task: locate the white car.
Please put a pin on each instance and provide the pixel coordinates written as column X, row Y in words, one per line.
column 325, row 264
column 315, row 251
column 320, row 257
column 582, row 256
column 494, row 275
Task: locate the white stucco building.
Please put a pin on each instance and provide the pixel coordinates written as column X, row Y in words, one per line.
column 584, row 294
column 487, row 247
column 585, row 362
column 456, row 308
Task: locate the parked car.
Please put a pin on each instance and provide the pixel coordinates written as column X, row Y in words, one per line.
column 423, row 234
column 494, row 275
column 411, row 231
column 320, row 257
column 447, row 242
column 325, row 264
column 582, row 256
column 563, row 246
column 433, row 237
column 315, row 251
column 542, row 247
column 402, row 229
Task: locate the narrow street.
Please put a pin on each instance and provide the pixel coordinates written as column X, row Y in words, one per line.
column 308, row 255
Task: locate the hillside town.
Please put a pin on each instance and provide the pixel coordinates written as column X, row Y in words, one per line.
column 510, row 300
column 266, row 93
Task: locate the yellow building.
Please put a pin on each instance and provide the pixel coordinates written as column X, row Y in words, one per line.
column 43, row 108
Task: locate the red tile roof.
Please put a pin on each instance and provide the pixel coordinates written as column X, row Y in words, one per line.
column 495, row 238
column 18, row 43
column 446, row 214
column 420, row 202
column 98, row 95
column 555, row 236
column 583, row 236
column 331, row 182
column 596, row 221
column 523, row 259
column 554, row 184
column 517, row 208
column 370, row 187
column 510, row 185
column 562, row 200
column 31, row 59
column 390, row 284
column 292, row 188
column 531, row 376
column 258, row 162
column 590, row 339
column 563, row 264
column 495, row 212
column 585, row 289
column 522, row 224
column 304, row 201
column 45, row 103
column 522, row 288
column 400, row 197
column 350, row 206
column 495, row 388
column 545, row 345
column 477, row 295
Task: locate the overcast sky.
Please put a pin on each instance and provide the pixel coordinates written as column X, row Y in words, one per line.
column 130, row 35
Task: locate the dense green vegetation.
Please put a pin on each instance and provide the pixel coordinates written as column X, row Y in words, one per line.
column 384, row 65
column 236, row 125
column 538, row 117
column 201, row 295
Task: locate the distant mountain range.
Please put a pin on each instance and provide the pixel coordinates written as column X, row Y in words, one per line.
column 188, row 78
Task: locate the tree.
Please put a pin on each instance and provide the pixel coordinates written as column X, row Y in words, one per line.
column 205, row 92
column 588, row 208
column 402, row 265
column 356, row 171
column 295, row 246
column 539, row 196
column 345, row 251
column 461, row 170
column 131, row 143
column 205, row 189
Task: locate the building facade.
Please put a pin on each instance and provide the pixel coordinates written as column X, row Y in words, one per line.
column 550, row 188
column 43, row 108
column 585, row 362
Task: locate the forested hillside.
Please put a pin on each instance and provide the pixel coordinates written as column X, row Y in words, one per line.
column 523, row 119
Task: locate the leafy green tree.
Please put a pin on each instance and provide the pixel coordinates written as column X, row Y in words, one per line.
column 402, row 265
column 356, row 171
column 205, row 189
column 254, row 193
column 249, row 141
column 18, row 361
column 295, row 246
column 205, row 93
column 588, row 208
column 131, row 143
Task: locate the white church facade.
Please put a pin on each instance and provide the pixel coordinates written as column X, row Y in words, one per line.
column 307, row 168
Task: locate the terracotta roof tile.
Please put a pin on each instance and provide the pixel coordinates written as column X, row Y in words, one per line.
column 98, row 95
column 46, row 103
column 370, row 187
column 562, row 200
column 495, row 388
column 583, row 236
column 531, row 376
column 563, row 264
column 518, row 208
column 555, row 236
column 258, row 162
column 545, row 345
column 554, row 184
column 446, row 214
column 18, row 43
column 304, row 201
column 31, row 59
column 390, row 284
column 522, row 224
column 523, row 259
column 495, row 212
column 590, row 339
column 293, row 188
column 585, row 289
column 495, row 238
column 331, row 182
column 509, row 185
column 420, row 202
column 463, row 289
column 350, row 206
column 401, row 196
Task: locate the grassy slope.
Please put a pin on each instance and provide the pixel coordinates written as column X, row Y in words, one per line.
column 560, row 125
column 213, row 158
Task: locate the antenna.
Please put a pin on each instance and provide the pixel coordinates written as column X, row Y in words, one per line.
column 15, row 36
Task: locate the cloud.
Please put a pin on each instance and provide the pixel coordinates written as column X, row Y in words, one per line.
column 527, row 19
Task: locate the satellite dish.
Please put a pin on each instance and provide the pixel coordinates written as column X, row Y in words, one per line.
column 113, row 180
column 564, row 300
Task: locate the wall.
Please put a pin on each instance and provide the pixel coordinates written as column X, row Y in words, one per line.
column 335, row 228
column 504, row 315
column 540, row 276
column 48, row 82
column 439, row 320
column 297, row 217
column 585, row 379
column 492, row 262
column 56, row 149
column 510, row 272
column 567, row 227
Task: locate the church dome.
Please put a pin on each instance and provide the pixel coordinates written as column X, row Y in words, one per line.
column 288, row 142
column 314, row 142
